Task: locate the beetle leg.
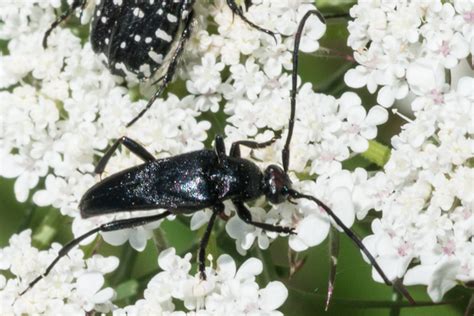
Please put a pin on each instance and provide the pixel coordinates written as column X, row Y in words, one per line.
column 168, row 76
column 244, row 213
column 219, row 147
column 238, row 11
column 216, row 210
column 235, row 148
column 115, row 225
column 132, row 145
column 76, row 4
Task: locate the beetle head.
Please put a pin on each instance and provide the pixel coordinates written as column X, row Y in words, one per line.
column 276, row 184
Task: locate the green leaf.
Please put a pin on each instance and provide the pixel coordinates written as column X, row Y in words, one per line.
column 127, row 289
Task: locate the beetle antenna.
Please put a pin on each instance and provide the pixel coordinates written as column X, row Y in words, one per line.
column 352, row 235
column 285, row 153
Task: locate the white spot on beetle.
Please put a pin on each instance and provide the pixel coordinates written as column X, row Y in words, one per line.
column 138, row 12
column 172, row 18
column 163, row 35
column 157, row 58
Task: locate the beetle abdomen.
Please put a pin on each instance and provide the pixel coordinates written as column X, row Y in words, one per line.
column 135, row 37
column 179, row 183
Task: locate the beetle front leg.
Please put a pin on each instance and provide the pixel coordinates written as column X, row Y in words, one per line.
column 244, row 214
column 131, row 145
column 115, row 225
column 235, row 148
column 76, row 4
column 216, row 210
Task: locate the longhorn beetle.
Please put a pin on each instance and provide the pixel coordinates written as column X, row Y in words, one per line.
column 139, row 36
column 196, row 180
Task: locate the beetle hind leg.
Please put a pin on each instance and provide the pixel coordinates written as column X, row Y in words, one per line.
column 236, row 9
column 115, row 225
column 76, row 4
column 131, row 145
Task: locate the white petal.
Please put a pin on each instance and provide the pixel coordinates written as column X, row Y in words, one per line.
column 103, row 296
column 359, row 144
column 297, row 244
column 356, row 114
column 116, row 238
column 89, row 283
column 355, row 78
column 250, row 268
column 419, row 274
column 386, row 97
column 10, row 166
column 313, row 229
column 272, row 296
column 443, row 279
column 199, row 218
column 138, row 239
column 226, row 266
column 343, row 206
column 166, row 258
column 377, row 115
column 43, row 198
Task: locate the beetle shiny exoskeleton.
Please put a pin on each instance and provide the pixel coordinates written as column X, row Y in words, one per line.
column 197, row 180
column 141, row 36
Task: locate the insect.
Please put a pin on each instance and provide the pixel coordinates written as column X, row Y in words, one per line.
column 197, row 180
column 141, row 36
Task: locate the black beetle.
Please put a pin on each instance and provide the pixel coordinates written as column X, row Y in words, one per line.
column 139, row 36
column 200, row 179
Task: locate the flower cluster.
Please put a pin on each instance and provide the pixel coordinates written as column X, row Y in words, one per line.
column 73, row 287
column 425, row 192
column 405, row 46
column 426, row 197
column 226, row 291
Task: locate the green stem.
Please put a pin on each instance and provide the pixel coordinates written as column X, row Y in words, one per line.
column 160, row 240
column 46, row 230
column 470, row 306
column 377, row 153
column 396, row 298
column 268, row 273
column 127, row 261
column 357, row 303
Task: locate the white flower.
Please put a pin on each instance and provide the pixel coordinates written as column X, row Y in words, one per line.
column 226, row 290
column 245, row 234
column 425, row 196
column 439, row 278
column 360, row 125
column 74, row 282
column 388, row 38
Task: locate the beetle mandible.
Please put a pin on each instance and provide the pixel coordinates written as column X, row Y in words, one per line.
column 197, row 180
column 141, row 36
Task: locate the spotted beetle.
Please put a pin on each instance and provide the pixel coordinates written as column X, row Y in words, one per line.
column 197, row 180
column 140, row 36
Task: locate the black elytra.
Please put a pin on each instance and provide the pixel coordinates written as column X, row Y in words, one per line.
column 142, row 36
column 197, row 180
